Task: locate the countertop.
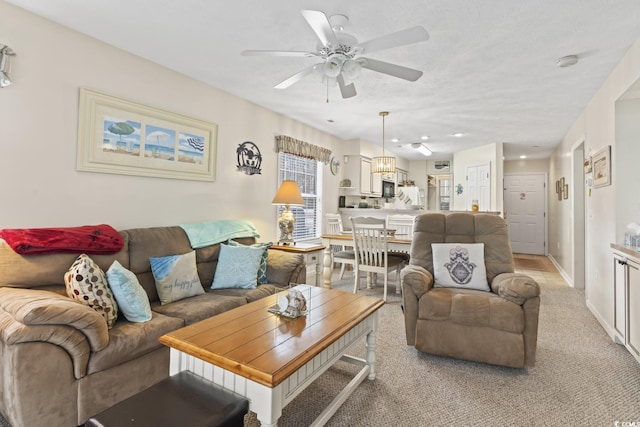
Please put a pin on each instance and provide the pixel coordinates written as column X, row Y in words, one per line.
column 628, row 250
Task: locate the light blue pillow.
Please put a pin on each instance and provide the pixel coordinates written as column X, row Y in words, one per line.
column 176, row 277
column 130, row 295
column 237, row 267
column 262, row 269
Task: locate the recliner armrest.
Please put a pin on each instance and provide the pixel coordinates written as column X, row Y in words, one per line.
column 419, row 279
column 515, row 287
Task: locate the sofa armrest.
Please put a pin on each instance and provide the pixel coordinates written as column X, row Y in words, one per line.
column 416, row 281
column 515, row 287
column 31, row 307
column 285, row 267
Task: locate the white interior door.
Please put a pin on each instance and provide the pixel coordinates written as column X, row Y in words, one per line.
column 525, row 207
column 479, row 186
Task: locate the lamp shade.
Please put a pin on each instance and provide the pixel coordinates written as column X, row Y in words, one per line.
column 288, row 194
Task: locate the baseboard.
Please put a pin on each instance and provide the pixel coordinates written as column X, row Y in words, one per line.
column 563, row 273
column 608, row 329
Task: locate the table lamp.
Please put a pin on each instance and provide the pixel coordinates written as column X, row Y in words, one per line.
column 288, row 194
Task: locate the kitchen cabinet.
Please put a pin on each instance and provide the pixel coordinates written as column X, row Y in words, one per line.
column 626, row 289
column 364, row 183
column 401, row 176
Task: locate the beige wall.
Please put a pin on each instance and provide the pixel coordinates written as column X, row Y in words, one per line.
column 596, row 126
column 490, row 153
column 526, row 166
column 38, row 137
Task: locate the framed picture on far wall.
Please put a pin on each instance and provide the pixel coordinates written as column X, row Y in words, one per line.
column 601, row 162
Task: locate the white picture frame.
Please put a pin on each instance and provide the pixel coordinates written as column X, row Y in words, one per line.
column 601, row 164
column 119, row 136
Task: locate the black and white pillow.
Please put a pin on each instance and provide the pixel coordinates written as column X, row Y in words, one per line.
column 459, row 265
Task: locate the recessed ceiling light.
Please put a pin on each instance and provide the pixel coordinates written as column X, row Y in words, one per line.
column 395, row 140
column 424, row 138
column 458, row 134
column 523, row 157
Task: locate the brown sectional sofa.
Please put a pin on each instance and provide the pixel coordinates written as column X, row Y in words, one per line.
column 60, row 363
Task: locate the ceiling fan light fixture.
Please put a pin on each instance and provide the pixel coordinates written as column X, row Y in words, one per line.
column 420, row 148
column 351, row 69
column 333, row 67
column 383, row 164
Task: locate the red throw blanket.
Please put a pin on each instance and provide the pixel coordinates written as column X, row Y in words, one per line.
column 89, row 239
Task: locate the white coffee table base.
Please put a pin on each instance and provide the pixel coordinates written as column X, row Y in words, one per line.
column 268, row 402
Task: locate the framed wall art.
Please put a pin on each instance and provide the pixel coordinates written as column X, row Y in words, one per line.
column 601, row 162
column 119, row 136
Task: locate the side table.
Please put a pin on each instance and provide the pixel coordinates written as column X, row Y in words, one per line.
column 312, row 253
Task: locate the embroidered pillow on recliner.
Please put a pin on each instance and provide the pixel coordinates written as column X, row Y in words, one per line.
column 459, row 265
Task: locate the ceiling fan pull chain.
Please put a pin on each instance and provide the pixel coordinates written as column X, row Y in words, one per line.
column 326, row 79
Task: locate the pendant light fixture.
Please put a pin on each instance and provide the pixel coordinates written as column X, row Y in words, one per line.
column 383, row 164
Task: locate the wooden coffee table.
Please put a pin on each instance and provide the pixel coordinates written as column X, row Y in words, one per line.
column 270, row 359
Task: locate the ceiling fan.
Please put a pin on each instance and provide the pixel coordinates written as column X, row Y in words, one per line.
column 341, row 53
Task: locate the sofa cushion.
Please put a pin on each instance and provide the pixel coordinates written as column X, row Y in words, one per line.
column 262, row 269
column 131, row 298
column 176, row 277
column 261, row 291
column 471, row 308
column 128, row 341
column 200, row 307
column 86, row 283
column 459, row 265
column 237, row 267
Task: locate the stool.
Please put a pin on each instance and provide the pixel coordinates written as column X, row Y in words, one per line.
column 184, row 399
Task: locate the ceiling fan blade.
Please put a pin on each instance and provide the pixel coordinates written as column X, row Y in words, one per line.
column 277, row 53
column 400, row 38
column 347, row 91
column 320, row 25
column 296, row 77
column 390, row 69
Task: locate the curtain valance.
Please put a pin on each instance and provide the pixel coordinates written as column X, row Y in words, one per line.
column 290, row 145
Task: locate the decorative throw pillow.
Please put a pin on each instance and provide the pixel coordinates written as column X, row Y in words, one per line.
column 176, row 277
column 130, row 295
column 85, row 282
column 237, row 267
column 262, row 269
column 459, row 265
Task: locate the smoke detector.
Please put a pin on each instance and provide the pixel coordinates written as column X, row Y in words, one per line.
column 567, row 61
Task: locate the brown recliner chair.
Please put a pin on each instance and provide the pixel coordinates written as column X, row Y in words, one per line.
column 499, row 327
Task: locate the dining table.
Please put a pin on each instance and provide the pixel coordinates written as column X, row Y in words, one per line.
column 395, row 243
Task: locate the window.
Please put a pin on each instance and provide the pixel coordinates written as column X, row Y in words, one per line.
column 308, row 174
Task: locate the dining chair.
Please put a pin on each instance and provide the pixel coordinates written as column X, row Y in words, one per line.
column 372, row 255
column 403, row 226
column 338, row 252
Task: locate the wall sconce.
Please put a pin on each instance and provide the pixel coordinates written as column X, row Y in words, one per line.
column 421, row 149
column 5, row 65
column 288, row 194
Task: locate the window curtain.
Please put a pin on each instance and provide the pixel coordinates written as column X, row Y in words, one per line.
column 286, row 144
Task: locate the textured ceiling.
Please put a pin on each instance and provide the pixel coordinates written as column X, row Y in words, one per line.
column 489, row 66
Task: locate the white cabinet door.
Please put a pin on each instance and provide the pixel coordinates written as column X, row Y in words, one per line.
column 620, row 300
column 376, row 184
column 365, row 176
column 633, row 308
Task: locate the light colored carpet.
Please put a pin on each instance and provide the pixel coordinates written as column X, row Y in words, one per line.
column 581, row 377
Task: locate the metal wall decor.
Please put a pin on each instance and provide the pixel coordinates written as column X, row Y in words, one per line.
column 249, row 158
